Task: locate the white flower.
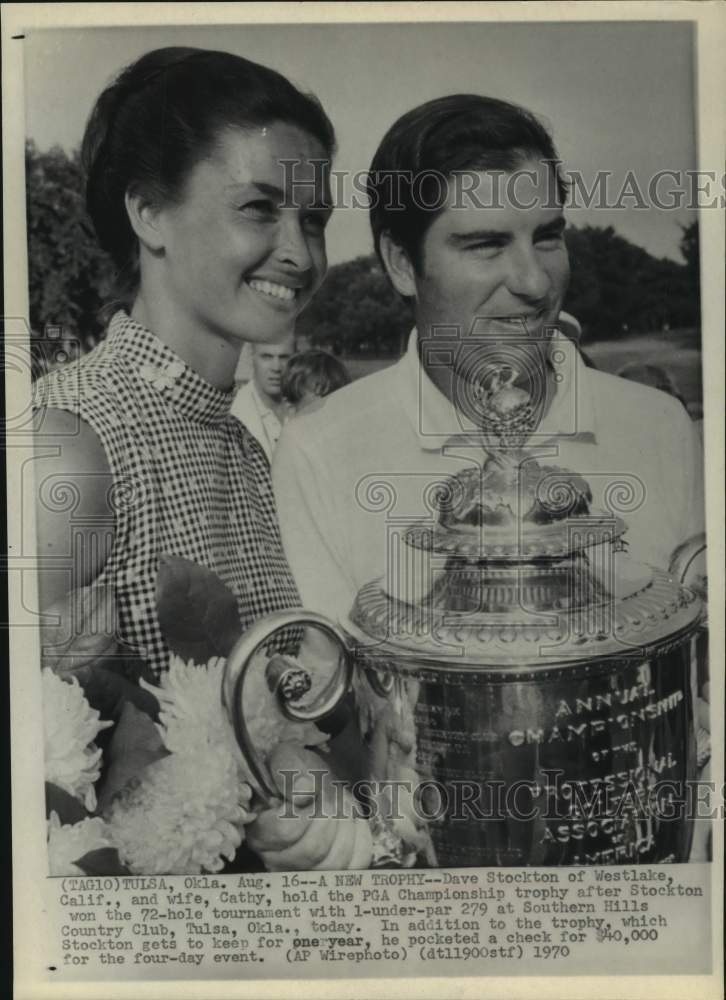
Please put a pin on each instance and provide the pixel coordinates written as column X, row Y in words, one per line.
column 68, row 844
column 191, row 697
column 187, row 811
column 185, row 814
column 190, row 702
column 72, row 761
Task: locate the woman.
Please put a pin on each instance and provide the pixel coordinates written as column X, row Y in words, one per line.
column 206, row 183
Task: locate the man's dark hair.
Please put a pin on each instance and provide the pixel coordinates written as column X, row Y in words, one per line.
column 463, row 132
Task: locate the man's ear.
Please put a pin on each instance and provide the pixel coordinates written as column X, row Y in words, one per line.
column 144, row 217
column 398, row 265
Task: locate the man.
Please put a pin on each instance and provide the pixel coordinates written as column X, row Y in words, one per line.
column 259, row 404
column 467, row 219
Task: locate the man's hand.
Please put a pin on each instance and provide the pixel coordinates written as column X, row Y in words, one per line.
column 317, row 827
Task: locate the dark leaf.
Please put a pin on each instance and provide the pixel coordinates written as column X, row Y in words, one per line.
column 69, row 809
column 197, row 612
column 109, row 691
column 102, row 861
column 128, row 666
column 135, row 744
column 244, row 860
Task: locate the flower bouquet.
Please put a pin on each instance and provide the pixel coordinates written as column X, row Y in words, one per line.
column 149, row 779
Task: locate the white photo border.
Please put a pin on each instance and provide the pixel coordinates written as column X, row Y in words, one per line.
column 27, row 787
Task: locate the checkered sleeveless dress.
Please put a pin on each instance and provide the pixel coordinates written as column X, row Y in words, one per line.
column 188, row 480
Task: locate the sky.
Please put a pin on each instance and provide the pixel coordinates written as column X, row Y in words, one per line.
column 617, row 96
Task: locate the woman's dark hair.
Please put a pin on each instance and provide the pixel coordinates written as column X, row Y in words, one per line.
column 426, row 146
column 314, row 371
column 160, row 117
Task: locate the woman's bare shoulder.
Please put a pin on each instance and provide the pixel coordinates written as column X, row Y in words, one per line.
column 68, row 447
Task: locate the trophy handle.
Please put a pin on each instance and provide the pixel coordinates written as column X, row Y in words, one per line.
column 287, row 682
column 682, row 560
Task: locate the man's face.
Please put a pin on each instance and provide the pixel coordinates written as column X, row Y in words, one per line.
column 493, row 271
column 269, row 361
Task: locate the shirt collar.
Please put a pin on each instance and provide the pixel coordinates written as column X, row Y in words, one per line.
column 262, row 408
column 437, row 422
column 165, row 371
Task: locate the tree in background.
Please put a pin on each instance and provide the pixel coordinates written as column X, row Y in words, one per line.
column 69, row 275
column 690, row 249
column 617, row 288
column 357, row 312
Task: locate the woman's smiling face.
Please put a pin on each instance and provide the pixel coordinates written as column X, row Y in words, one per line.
column 244, row 247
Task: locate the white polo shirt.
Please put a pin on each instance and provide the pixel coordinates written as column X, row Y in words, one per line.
column 350, row 476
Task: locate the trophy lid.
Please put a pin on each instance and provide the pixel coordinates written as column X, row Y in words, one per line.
column 515, row 510
column 523, row 578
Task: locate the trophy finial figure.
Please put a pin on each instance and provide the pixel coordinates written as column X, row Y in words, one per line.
column 507, row 416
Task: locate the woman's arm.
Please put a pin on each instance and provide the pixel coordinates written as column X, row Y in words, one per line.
column 74, row 516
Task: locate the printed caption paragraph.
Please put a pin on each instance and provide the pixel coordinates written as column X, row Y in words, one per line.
column 635, row 920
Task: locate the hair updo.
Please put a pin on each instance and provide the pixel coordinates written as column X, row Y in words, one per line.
column 160, row 117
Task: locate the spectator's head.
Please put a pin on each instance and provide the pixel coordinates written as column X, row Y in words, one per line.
column 652, row 375
column 184, row 161
column 268, row 366
column 311, row 375
column 461, row 135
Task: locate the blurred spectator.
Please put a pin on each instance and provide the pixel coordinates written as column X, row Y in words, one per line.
column 652, row 375
column 260, row 404
column 311, row 375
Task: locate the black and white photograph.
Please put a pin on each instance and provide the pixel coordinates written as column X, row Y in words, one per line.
column 363, row 487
